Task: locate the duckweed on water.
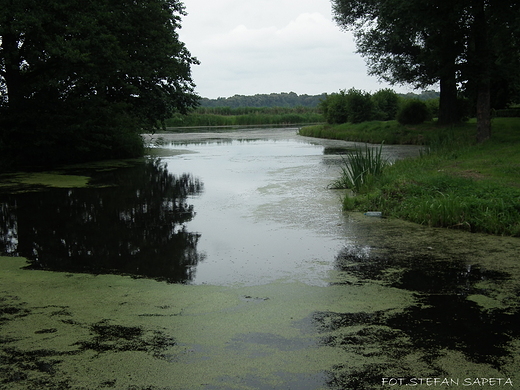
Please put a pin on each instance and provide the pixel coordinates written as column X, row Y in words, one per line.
column 395, row 308
column 68, row 177
column 142, row 332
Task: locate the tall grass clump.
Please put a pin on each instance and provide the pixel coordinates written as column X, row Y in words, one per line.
column 360, row 168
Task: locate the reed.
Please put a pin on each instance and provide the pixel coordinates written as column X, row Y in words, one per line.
column 360, row 168
column 245, row 116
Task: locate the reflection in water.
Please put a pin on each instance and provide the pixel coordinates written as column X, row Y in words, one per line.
column 442, row 319
column 131, row 222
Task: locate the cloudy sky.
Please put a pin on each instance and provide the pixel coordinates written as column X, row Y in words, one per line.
column 249, row 47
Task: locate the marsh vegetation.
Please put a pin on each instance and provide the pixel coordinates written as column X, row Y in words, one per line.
column 454, row 183
column 245, row 116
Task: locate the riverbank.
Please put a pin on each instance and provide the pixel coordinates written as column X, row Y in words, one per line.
column 389, row 132
column 455, row 183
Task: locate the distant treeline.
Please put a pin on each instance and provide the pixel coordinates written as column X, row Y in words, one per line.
column 290, row 99
column 272, row 109
column 283, row 99
column 241, row 116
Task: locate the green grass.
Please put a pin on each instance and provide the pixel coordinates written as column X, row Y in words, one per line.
column 376, row 132
column 455, row 183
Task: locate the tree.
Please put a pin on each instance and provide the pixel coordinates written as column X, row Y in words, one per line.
column 80, row 80
column 413, row 112
column 351, row 106
column 386, row 103
column 334, row 108
column 422, row 42
column 492, row 58
column 360, row 107
column 415, row 41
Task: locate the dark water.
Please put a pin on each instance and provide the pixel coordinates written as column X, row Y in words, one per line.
column 442, row 318
column 130, row 221
column 224, row 262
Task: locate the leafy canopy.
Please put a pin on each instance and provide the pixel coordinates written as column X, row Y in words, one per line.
column 93, row 72
column 461, row 43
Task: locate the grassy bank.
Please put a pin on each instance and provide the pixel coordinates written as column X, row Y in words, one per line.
column 455, row 183
column 245, row 116
column 389, row 132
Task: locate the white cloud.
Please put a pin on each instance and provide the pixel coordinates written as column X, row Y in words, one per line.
column 265, row 46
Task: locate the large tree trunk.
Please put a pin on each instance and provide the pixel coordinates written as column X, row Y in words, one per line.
column 483, row 59
column 448, row 108
column 483, row 111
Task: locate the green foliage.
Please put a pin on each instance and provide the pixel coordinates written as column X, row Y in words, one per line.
column 356, row 106
column 104, row 132
column 360, row 168
column 458, row 185
column 78, row 80
column 352, row 106
column 389, row 132
column 508, row 113
column 265, row 100
column 334, row 108
column 413, row 112
column 359, row 106
column 473, row 44
column 386, row 103
column 433, row 107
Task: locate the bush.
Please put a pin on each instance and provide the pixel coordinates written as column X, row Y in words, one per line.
column 413, row 112
column 433, row 107
column 508, row 113
column 334, row 108
column 386, row 104
column 359, row 106
column 36, row 138
column 352, row 106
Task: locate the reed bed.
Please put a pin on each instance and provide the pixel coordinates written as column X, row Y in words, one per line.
column 207, row 117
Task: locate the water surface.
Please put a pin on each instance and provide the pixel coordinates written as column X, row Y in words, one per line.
column 223, row 261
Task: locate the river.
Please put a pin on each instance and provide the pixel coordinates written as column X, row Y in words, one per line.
column 224, row 261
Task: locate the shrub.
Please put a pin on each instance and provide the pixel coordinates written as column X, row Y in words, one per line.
column 433, row 106
column 334, row 108
column 508, row 113
column 386, row 104
column 352, row 106
column 413, row 112
column 359, row 106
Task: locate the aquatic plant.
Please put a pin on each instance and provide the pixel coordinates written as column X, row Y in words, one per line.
column 360, row 168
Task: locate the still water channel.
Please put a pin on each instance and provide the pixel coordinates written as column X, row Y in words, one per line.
column 223, row 261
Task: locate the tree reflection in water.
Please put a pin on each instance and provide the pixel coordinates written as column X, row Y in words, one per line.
column 132, row 221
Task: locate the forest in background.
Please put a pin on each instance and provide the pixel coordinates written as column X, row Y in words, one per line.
column 290, row 99
column 266, row 109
